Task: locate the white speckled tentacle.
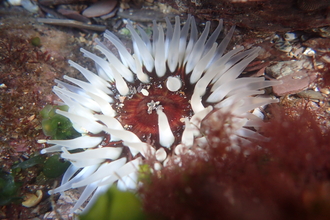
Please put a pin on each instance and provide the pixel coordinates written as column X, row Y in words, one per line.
column 187, row 138
column 173, row 55
column 95, row 80
column 79, row 142
column 197, row 50
column 201, row 65
column 224, row 43
column 217, row 67
column 192, row 40
column 83, row 122
column 213, row 37
column 83, row 100
column 115, row 62
column 89, row 87
column 104, row 171
column 106, row 108
column 145, row 38
column 101, row 62
column 166, row 137
column 125, row 56
column 143, row 77
column 121, row 84
column 130, row 167
column 72, row 178
column 141, row 49
column 160, row 61
column 169, row 35
column 183, row 40
column 74, row 107
column 155, row 36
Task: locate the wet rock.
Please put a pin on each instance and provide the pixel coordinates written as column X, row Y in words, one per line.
column 72, row 23
column 283, row 46
column 318, row 44
column 312, row 5
column 100, row 8
column 310, row 94
column 325, row 58
column 59, row 2
column 73, row 15
column 285, row 68
column 294, row 82
column 30, row 6
column 290, row 36
column 144, row 15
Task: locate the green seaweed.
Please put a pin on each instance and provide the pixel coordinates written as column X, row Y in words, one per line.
column 35, row 41
column 55, row 167
column 39, row 159
column 9, row 188
column 57, row 126
column 116, row 204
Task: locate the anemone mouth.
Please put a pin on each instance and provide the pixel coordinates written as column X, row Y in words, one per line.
column 138, row 113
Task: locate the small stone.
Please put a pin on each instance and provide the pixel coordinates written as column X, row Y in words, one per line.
column 144, row 92
column 325, row 91
column 325, row 58
column 285, row 68
column 310, row 94
column 318, row 44
column 14, row 2
column 30, row 6
column 283, row 46
column 290, row 36
column 309, row 52
column 100, row 8
column 294, row 83
column 73, row 15
column 110, row 15
column 324, row 31
column 32, row 199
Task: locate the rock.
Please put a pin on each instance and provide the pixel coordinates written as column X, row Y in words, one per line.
column 310, row 94
column 318, row 44
column 285, row 68
column 294, row 83
column 100, row 8
column 71, row 14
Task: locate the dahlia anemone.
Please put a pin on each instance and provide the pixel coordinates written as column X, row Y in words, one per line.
column 151, row 103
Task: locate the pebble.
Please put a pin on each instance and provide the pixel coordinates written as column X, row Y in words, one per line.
column 310, row 94
column 323, row 31
column 71, row 14
column 294, row 82
column 318, row 44
column 285, row 68
column 290, row 36
column 30, row 6
column 309, row 52
column 144, row 15
column 100, row 8
column 283, row 46
column 325, row 91
column 26, row 4
column 312, row 5
column 14, row 2
column 71, row 23
column 325, row 58
column 32, row 199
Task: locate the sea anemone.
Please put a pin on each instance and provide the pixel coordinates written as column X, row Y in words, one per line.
column 151, row 104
